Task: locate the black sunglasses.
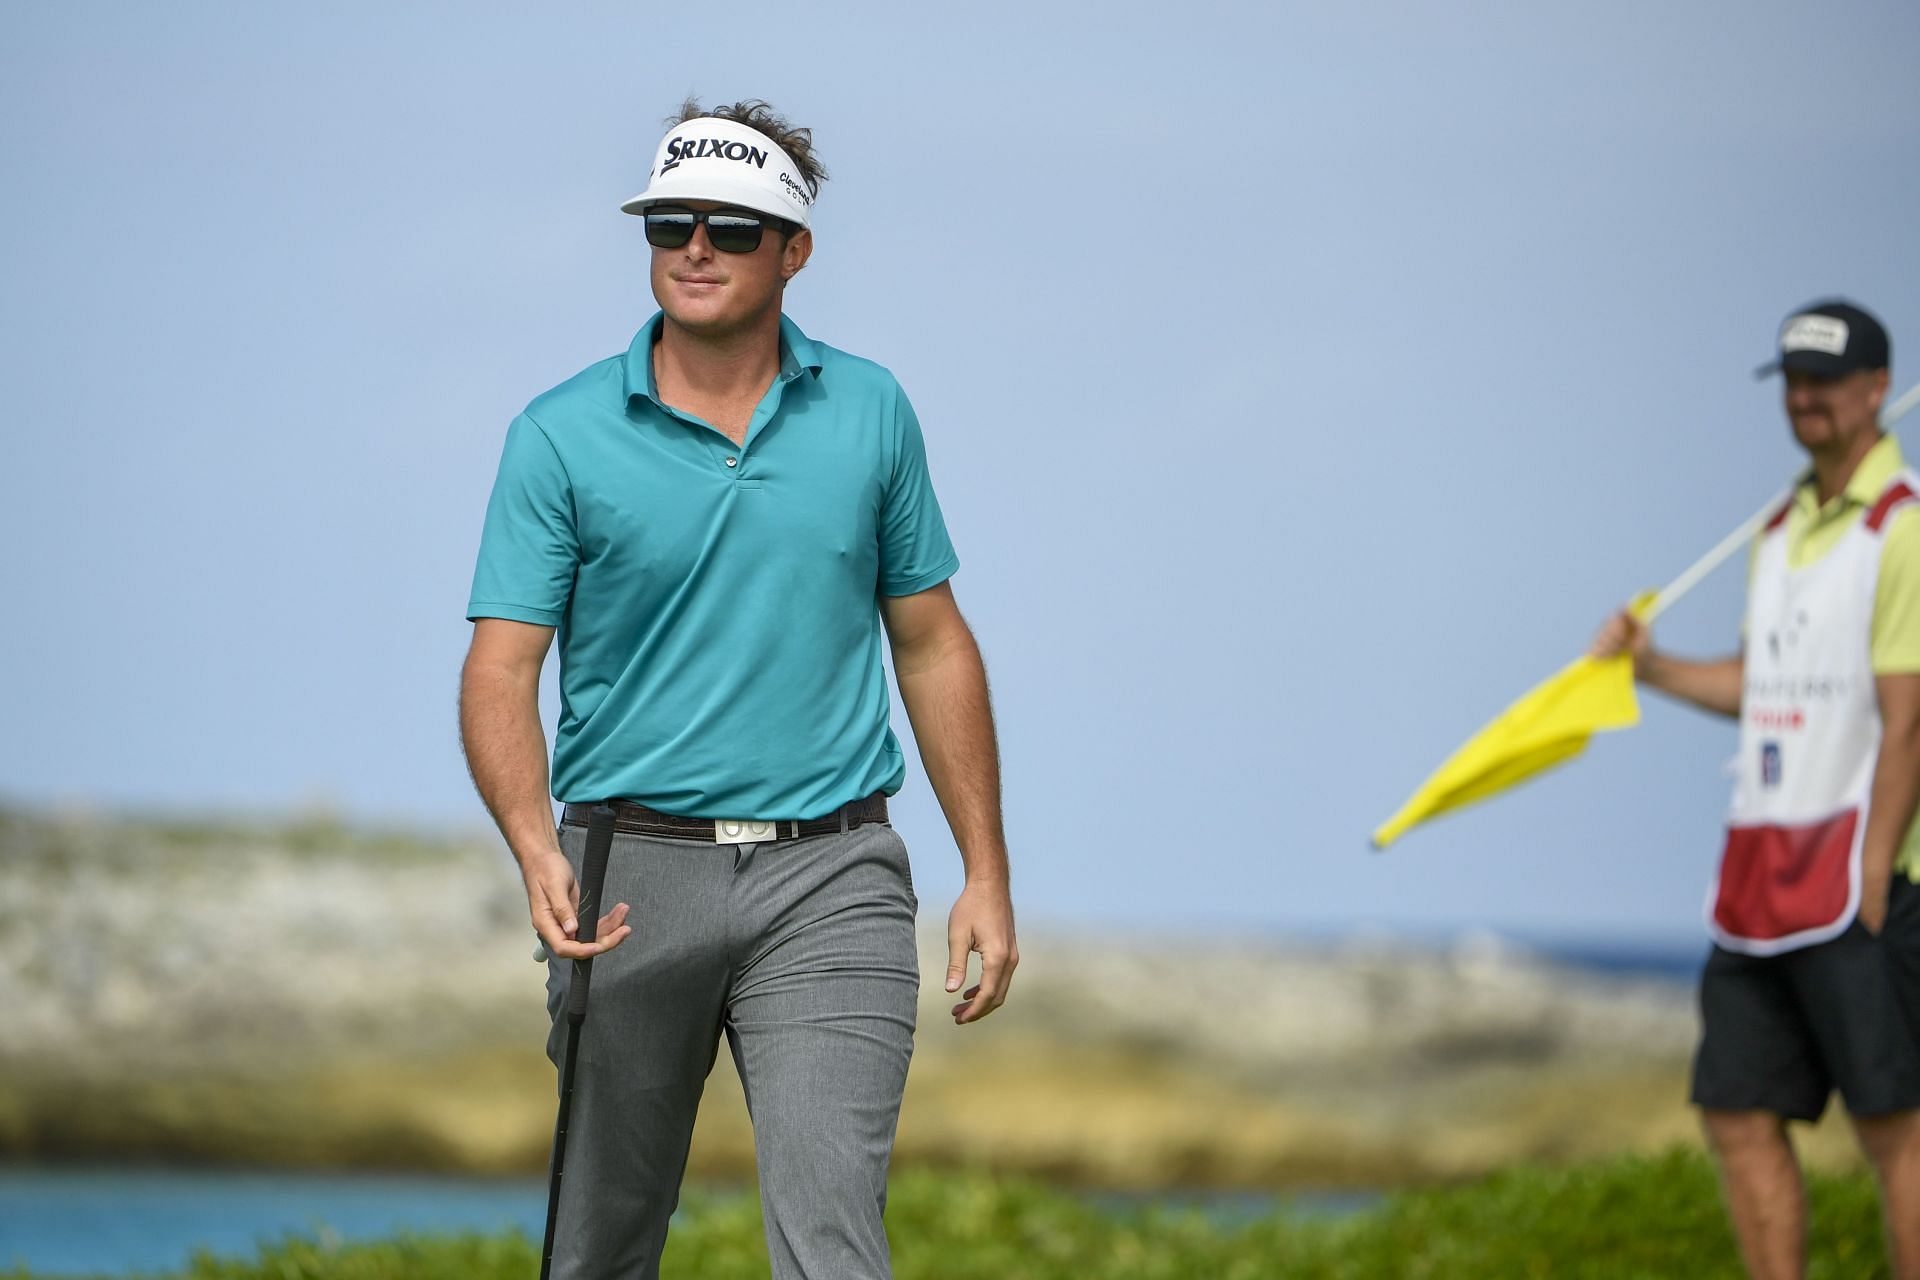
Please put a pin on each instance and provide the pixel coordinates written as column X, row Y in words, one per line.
column 728, row 230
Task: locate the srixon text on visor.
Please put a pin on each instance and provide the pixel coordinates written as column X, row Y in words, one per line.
column 705, row 148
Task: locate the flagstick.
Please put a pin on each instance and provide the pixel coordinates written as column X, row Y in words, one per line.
column 1898, row 409
column 1707, row 563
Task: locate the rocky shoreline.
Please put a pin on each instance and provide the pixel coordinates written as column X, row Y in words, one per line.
column 306, row 995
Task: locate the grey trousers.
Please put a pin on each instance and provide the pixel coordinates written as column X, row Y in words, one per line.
column 802, row 954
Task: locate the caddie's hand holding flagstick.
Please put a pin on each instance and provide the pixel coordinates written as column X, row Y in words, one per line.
column 1553, row 722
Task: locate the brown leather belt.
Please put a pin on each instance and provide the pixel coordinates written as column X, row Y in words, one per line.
column 638, row 820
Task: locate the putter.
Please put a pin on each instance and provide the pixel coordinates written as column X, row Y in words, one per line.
column 593, row 872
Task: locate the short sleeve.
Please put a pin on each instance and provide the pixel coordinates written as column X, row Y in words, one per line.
column 1896, row 599
column 915, row 552
column 529, row 548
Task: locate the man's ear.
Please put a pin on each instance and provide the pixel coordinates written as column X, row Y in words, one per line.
column 1880, row 388
column 793, row 258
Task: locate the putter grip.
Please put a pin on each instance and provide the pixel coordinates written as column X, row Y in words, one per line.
column 593, row 874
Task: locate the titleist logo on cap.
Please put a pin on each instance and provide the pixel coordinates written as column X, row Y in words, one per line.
column 1815, row 333
column 679, row 149
column 1829, row 340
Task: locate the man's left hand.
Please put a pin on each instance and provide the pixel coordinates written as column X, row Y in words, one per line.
column 1873, row 904
column 982, row 921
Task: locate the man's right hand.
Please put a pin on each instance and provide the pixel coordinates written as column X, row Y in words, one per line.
column 553, row 899
column 507, row 752
column 1623, row 633
column 1712, row 686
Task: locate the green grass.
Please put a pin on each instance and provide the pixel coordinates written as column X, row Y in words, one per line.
column 1636, row 1217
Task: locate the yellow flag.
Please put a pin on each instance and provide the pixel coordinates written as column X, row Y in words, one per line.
column 1552, row 723
column 1547, row 726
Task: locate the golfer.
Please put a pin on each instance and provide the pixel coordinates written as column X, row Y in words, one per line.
column 1813, row 982
column 717, row 523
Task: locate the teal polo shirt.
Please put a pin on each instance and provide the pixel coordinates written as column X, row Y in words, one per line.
column 717, row 605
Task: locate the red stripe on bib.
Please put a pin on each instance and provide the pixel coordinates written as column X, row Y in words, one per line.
column 1778, row 881
column 1892, row 498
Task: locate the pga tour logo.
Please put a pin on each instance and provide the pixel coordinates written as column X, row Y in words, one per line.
column 1769, row 764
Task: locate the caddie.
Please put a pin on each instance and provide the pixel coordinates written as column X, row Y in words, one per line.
column 1813, row 982
column 721, row 525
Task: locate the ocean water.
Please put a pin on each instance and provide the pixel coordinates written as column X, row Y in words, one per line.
column 1675, row 961
column 114, row 1222
column 119, row 1222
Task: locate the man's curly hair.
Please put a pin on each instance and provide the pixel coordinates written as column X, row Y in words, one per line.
column 760, row 116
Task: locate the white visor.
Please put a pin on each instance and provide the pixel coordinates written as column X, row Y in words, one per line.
column 723, row 160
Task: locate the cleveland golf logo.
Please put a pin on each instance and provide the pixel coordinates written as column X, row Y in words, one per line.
column 679, row 149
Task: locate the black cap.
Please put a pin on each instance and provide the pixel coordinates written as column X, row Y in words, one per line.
column 1829, row 339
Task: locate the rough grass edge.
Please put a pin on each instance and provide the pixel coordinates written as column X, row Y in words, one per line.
column 1627, row 1217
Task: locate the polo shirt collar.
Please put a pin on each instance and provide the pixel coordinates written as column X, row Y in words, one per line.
column 798, row 354
column 1863, row 488
column 1875, row 472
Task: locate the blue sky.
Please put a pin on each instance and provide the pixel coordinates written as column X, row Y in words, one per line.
column 1301, row 383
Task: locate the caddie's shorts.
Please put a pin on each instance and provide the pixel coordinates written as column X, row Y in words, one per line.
column 1781, row 1033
